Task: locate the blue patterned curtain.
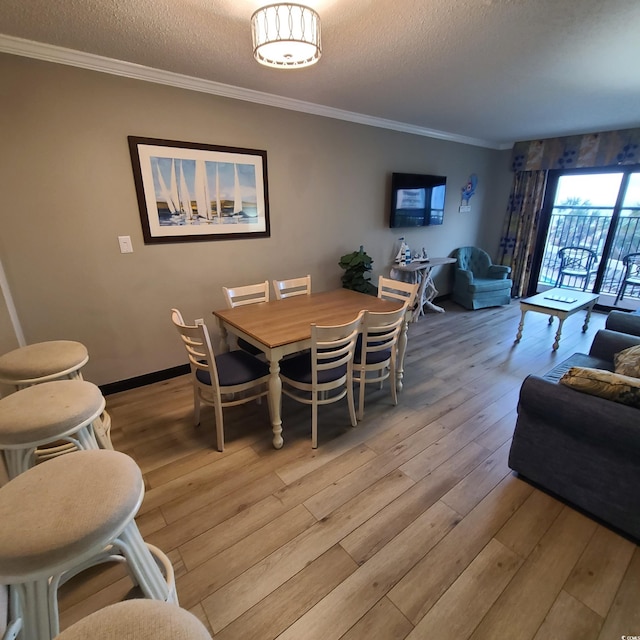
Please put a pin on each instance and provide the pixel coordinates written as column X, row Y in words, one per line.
column 530, row 162
column 520, row 229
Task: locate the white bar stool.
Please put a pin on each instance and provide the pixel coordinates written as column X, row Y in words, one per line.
column 68, row 514
column 61, row 412
column 139, row 619
column 52, row 360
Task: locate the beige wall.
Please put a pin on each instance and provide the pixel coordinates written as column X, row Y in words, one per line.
column 68, row 193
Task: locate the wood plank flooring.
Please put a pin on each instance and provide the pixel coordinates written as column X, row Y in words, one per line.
column 410, row 525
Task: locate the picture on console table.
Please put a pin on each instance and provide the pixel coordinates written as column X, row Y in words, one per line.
column 192, row 192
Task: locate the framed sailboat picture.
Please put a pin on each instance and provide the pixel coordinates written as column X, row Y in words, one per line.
column 190, row 192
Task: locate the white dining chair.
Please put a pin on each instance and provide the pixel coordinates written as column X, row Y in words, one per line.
column 247, row 294
column 292, row 287
column 226, row 380
column 389, row 289
column 324, row 374
column 376, row 352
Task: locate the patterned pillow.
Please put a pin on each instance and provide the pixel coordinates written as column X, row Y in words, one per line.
column 605, row 384
column 628, row 362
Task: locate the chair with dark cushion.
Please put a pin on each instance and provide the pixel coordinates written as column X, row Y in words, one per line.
column 225, row 380
column 478, row 283
column 325, row 373
column 376, row 352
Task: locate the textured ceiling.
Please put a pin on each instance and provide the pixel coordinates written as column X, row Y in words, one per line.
column 495, row 71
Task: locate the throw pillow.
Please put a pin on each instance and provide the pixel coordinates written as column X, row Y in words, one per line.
column 628, row 362
column 605, row 384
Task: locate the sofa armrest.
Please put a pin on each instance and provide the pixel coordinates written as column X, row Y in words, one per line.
column 607, row 343
column 624, row 322
column 498, row 271
column 588, row 417
column 464, row 276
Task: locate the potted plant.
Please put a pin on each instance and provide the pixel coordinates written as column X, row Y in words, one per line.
column 357, row 266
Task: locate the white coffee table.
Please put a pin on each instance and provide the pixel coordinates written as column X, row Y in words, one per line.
column 560, row 303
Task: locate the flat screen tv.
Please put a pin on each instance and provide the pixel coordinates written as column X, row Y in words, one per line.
column 417, row 200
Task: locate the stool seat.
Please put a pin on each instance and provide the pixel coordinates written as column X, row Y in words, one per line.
column 52, row 409
column 42, row 361
column 139, row 619
column 102, row 490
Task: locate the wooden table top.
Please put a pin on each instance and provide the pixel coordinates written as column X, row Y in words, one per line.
column 281, row 322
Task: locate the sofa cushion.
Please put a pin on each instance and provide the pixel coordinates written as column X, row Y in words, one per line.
column 628, row 362
column 604, row 384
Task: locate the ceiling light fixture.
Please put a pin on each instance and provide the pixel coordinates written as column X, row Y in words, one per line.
column 286, row 36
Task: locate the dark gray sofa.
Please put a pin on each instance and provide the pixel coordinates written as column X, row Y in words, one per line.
column 624, row 321
column 582, row 448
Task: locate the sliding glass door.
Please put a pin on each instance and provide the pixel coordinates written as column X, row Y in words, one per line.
column 599, row 211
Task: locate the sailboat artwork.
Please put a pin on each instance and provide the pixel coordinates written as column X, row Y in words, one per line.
column 194, row 193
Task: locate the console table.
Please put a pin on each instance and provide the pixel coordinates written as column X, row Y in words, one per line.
column 421, row 270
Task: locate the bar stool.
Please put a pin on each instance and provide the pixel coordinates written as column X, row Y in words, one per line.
column 42, row 362
column 61, row 412
column 64, row 516
column 139, row 619
column 52, row 360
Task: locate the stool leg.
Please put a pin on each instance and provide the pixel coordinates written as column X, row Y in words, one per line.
column 17, row 461
column 14, row 623
column 86, row 438
column 142, row 564
column 37, row 620
column 102, row 431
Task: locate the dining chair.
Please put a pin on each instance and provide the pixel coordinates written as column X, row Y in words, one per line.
column 248, row 294
column 292, row 287
column 389, row 289
column 575, row 262
column 376, row 352
column 324, row 374
column 226, row 380
column 631, row 275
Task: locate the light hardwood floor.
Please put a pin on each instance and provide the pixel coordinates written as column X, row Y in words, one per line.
column 410, row 525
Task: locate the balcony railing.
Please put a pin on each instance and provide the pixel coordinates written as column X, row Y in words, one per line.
column 590, row 231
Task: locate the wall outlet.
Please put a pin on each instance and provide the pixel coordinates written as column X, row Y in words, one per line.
column 199, row 321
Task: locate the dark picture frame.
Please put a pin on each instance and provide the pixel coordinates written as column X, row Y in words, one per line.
column 189, row 192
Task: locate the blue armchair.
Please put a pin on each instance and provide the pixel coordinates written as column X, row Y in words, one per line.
column 478, row 283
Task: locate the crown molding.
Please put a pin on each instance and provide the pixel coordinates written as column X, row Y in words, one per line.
column 80, row 59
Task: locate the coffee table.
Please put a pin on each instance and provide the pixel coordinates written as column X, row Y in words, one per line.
column 560, row 303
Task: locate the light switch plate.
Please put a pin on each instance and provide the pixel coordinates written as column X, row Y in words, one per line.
column 125, row 244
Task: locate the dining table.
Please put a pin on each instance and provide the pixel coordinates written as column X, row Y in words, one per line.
column 282, row 327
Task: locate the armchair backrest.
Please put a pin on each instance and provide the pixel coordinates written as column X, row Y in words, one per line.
column 473, row 259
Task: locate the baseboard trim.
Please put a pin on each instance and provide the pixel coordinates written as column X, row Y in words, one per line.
column 143, row 380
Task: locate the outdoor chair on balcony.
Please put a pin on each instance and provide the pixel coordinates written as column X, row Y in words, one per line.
column 576, row 262
column 631, row 276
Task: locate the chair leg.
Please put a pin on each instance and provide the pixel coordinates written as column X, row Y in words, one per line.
column 314, row 421
column 351, row 403
column 361, row 396
column 219, row 427
column 392, row 380
column 196, row 407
